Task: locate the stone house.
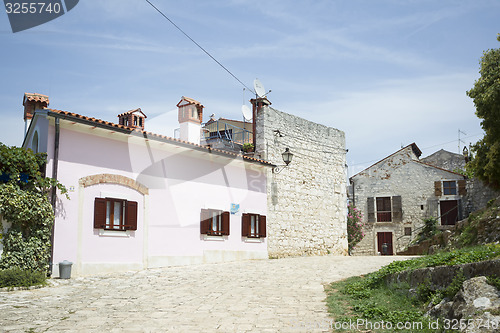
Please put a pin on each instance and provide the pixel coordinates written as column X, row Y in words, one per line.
column 397, row 193
column 478, row 193
column 140, row 199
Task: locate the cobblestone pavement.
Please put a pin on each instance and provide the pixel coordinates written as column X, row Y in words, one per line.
column 281, row 295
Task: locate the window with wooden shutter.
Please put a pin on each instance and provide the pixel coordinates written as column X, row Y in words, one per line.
column 214, row 222
column 450, row 187
column 245, row 225
column 437, row 188
column 370, row 203
column 131, row 215
column 205, row 218
column 100, row 213
column 115, row 214
column 397, row 209
column 225, row 223
column 462, row 190
column 253, row 225
column 262, row 226
column 384, row 209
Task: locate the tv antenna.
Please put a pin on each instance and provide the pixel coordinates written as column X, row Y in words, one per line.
column 460, row 140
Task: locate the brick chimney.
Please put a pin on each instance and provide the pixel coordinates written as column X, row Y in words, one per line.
column 133, row 118
column 32, row 102
column 190, row 119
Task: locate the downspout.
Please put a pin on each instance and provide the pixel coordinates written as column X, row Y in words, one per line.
column 54, row 190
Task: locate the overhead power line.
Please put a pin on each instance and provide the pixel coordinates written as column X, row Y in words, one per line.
column 201, row 48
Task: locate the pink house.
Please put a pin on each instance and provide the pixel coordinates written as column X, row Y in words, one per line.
column 141, row 200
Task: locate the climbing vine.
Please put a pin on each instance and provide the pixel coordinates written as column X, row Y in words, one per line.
column 25, row 206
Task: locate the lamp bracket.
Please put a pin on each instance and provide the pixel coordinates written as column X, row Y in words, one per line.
column 279, row 168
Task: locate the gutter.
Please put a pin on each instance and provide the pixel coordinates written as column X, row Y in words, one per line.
column 54, row 190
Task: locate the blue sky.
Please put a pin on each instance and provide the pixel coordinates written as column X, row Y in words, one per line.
column 387, row 73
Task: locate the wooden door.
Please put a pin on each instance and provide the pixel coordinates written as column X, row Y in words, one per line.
column 449, row 212
column 384, row 243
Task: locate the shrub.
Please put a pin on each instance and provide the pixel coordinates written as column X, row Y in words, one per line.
column 355, row 225
column 16, row 277
column 429, row 230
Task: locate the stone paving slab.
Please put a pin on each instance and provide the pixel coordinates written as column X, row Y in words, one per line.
column 279, row 295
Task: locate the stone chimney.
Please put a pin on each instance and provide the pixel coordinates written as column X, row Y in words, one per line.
column 190, row 119
column 32, row 102
column 133, row 118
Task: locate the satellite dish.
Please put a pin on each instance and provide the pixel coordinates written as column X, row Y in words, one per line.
column 259, row 88
column 247, row 113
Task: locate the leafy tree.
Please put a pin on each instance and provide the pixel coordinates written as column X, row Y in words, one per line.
column 486, row 96
column 24, row 203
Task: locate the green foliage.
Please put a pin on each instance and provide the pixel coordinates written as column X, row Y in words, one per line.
column 355, row 231
column 455, row 257
column 27, row 242
column 24, row 203
column 430, row 229
column 468, row 171
column 455, row 286
column 18, row 163
column 486, row 97
column 468, row 235
column 371, row 298
column 494, row 281
column 389, row 304
column 248, row 146
column 16, row 277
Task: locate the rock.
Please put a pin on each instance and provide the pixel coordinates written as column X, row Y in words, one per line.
column 477, row 304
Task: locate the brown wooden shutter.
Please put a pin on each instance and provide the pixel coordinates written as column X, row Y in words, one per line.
column 130, row 215
column 225, row 223
column 437, row 189
column 204, row 221
column 397, row 209
column 462, row 190
column 370, row 202
column 262, row 226
column 245, row 225
column 100, row 213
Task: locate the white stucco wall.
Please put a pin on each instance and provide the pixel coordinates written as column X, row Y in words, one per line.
column 180, row 181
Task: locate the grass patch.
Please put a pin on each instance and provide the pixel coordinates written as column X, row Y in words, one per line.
column 16, row 277
column 380, row 309
column 371, row 303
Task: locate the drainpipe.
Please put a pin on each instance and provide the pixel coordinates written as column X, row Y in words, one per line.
column 54, row 189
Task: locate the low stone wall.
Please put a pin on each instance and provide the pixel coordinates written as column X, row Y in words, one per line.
column 440, row 277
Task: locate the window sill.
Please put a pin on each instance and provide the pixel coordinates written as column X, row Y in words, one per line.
column 214, row 238
column 253, row 239
column 114, row 233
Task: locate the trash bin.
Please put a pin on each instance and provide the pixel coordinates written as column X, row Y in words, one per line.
column 385, row 249
column 65, row 269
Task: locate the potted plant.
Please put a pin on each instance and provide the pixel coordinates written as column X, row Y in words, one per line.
column 248, row 147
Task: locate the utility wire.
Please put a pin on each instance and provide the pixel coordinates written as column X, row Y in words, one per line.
column 191, row 39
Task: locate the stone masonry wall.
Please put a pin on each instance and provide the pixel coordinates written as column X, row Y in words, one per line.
column 399, row 175
column 307, row 201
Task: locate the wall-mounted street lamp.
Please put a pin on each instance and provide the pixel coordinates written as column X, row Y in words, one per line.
column 287, row 158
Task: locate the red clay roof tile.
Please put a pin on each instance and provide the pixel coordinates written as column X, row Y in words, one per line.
column 157, row 136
